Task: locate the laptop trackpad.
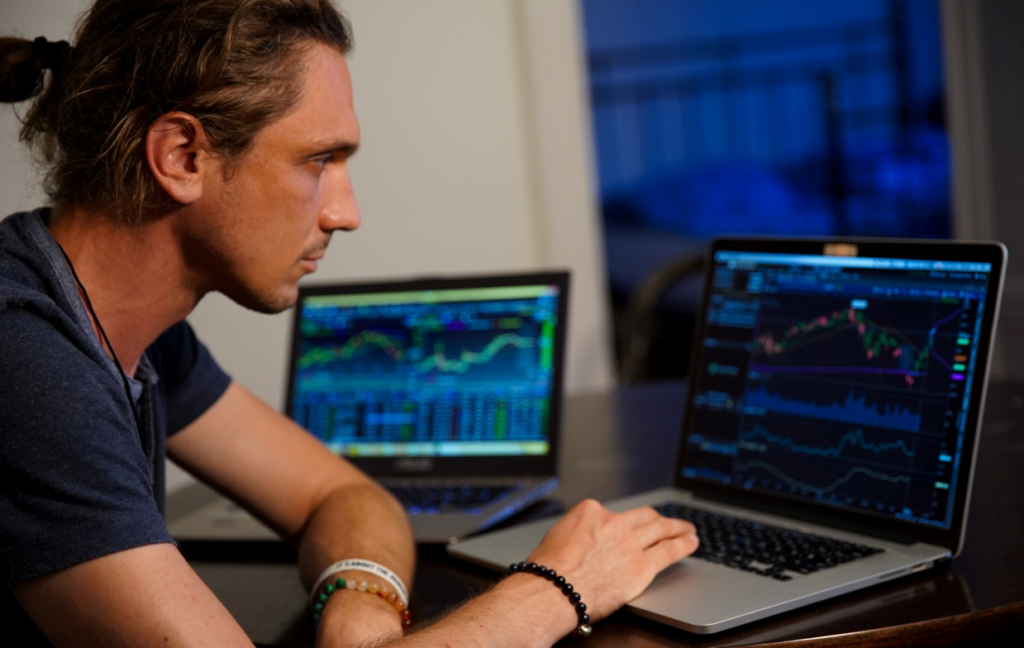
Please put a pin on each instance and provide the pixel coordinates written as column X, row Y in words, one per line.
column 703, row 593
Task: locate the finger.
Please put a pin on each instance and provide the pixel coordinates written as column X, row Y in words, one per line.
column 665, row 552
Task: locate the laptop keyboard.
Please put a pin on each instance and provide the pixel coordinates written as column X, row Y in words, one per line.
column 430, row 500
column 763, row 549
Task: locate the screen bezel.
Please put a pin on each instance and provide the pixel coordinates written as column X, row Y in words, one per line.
column 853, row 519
column 457, row 466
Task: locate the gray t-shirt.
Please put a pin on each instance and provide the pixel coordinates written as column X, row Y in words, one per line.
column 79, row 479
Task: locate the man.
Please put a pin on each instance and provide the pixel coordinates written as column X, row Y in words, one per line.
column 198, row 146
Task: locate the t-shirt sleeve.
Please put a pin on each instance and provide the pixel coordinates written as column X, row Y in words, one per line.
column 74, row 480
column 192, row 379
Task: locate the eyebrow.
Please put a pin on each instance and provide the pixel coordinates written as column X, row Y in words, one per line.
column 345, row 147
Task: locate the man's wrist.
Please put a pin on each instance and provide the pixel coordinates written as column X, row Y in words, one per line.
column 548, row 611
column 356, row 581
column 389, row 580
column 351, row 616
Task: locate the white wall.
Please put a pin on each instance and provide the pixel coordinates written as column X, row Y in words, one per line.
column 456, row 173
column 563, row 167
column 19, row 184
column 475, row 158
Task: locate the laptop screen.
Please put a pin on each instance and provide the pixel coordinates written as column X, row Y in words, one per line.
column 842, row 380
column 429, row 369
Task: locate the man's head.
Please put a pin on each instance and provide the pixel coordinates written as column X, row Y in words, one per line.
column 233, row 116
column 231, row 64
column 252, row 227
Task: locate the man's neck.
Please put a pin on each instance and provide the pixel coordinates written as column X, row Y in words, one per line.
column 135, row 278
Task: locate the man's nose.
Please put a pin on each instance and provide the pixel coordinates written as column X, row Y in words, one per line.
column 340, row 209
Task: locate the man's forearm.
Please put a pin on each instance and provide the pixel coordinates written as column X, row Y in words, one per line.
column 366, row 522
column 523, row 611
column 609, row 558
column 357, row 521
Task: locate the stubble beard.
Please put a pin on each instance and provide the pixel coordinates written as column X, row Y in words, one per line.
column 273, row 301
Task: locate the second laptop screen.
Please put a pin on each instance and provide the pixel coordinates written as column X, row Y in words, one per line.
column 428, row 373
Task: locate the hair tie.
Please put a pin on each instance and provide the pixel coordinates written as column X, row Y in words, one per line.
column 52, row 55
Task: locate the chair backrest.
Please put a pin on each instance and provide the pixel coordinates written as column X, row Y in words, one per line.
column 641, row 312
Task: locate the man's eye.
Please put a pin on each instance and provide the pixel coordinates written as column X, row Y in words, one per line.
column 321, row 160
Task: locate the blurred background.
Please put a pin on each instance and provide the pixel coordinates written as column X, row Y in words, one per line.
column 790, row 117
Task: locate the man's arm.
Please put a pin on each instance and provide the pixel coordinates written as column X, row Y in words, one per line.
column 335, row 512
column 147, row 596
column 321, row 503
column 609, row 558
column 150, row 595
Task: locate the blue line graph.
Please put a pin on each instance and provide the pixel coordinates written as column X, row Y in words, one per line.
column 859, row 470
column 854, row 410
column 855, row 438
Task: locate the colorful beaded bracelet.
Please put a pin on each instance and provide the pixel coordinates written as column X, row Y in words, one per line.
column 363, row 565
column 583, row 628
column 320, row 601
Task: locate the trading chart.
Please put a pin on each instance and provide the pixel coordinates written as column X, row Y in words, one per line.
column 845, row 386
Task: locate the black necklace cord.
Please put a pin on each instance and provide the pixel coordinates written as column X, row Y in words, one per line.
column 95, row 318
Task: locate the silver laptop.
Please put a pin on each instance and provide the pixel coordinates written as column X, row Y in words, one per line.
column 448, row 391
column 831, row 425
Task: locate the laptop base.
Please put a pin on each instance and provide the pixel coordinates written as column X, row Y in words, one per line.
column 705, row 598
column 223, row 520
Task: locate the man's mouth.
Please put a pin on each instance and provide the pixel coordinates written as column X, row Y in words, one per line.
column 312, row 259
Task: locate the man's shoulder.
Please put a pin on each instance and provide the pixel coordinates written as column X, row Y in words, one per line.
column 37, row 319
column 44, row 355
column 25, row 272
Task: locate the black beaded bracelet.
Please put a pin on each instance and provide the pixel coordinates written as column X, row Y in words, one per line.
column 583, row 628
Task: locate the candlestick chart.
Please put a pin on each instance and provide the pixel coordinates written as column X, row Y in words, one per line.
column 849, row 342
column 847, row 404
column 839, row 382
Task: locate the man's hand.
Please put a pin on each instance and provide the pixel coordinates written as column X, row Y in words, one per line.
column 611, row 558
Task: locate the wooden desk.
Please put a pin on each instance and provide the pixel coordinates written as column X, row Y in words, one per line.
column 626, row 442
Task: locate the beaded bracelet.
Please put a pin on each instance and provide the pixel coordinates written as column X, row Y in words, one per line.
column 583, row 628
column 320, row 601
column 363, row 565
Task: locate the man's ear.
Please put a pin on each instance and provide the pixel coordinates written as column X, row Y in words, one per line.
column 178, row 157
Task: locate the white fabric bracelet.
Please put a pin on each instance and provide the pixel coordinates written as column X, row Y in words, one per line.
column 368, row 566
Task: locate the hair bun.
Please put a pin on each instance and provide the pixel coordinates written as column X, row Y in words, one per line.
column 51, row 55
column 23, row 64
